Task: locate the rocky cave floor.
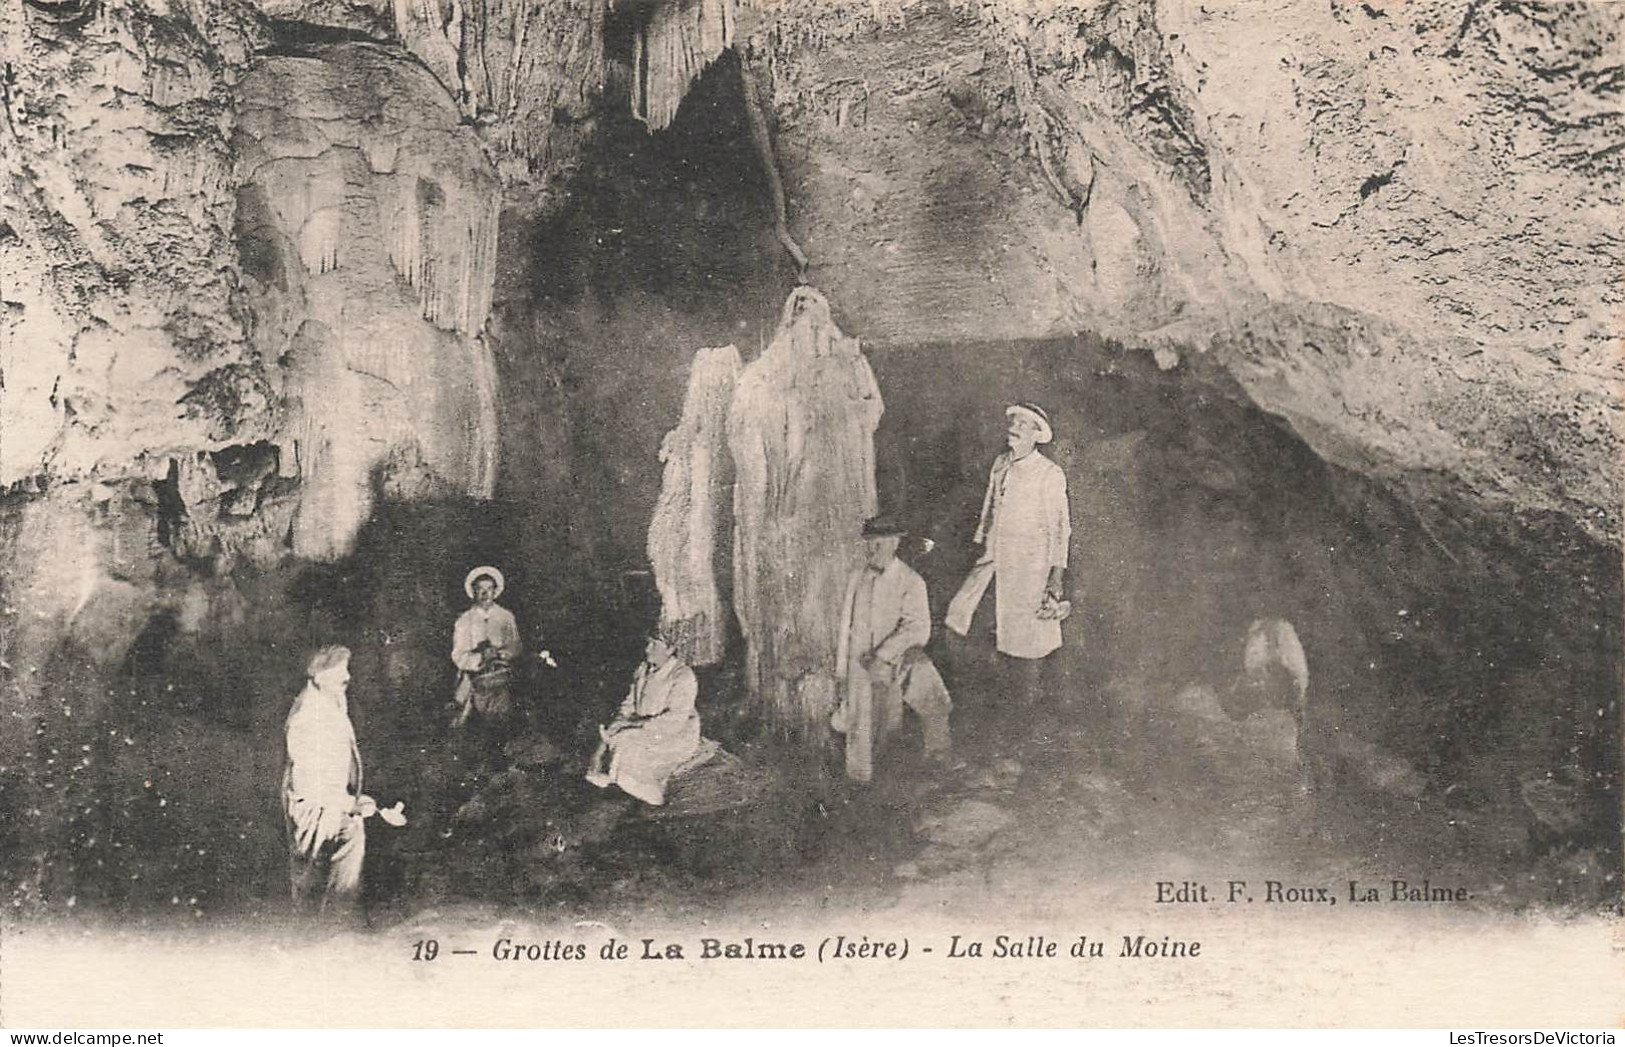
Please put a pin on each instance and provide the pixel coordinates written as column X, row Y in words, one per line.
column 1073, row 810
column 1083, row 806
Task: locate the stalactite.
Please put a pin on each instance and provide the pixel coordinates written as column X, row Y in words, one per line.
column 381, row 385
column 801, row 431
column 638, row 85
column 445, row 249
column 310, row 201
column 405, row 238
column 762, row 136
column 435, row 39
column 691, row 520
column 682, row 39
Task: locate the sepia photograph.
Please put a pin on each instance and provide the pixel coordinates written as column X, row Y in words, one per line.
column 811, row 513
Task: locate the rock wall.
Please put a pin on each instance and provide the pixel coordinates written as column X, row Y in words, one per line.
column 526, row 74
column 1391, row 222
column 241, row 289
column 1418, row 199
column 669, row 53
column 121, row 327
column 368, row 222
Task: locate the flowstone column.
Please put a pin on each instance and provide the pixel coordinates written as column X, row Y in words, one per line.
column 692, row 519
column 801, row 430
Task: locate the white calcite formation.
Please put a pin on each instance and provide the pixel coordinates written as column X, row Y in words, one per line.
column 692, row 527
column 525, row 74
column 681, row 39
column 369, row 219
column 801, row 432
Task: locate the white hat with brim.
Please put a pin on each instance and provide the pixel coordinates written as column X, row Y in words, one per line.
column 1036, row 415
column 478, row 572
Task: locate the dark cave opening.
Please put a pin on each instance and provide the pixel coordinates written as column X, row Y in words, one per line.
column 668, row 246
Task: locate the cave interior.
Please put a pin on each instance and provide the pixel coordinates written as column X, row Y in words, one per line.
column 1464, row 653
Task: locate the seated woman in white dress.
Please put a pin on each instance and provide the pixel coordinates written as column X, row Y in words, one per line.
column 655, row 733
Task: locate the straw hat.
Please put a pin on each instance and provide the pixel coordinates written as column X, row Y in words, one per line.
column 478, row 572
column 1036, row 415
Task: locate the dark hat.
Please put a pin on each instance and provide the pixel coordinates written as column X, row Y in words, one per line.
column 883, row 526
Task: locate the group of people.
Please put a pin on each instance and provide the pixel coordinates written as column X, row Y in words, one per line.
column 1024, row 530
column 881, row 668
column 324, row 807
column 655, row 732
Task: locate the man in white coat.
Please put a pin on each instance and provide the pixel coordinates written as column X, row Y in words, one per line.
column 485, row 645
column 880, row 664
column 322, row 800
column 1025, row 531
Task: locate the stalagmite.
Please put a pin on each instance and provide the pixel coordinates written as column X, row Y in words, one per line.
column 691, row 520
column 801, row 431
column 682, row 39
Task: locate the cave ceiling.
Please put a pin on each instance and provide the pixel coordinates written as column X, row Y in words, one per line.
column 1394, row 225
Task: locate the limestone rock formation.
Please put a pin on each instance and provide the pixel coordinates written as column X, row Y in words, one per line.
column 680, row 40
column 693, row 518
column 368, row 221
column 1420, row 199
column 121, row 329
column 527, row 74
column 369, row 19
column 801, row 432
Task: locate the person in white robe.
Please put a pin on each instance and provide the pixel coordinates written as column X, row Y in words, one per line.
column 881, row 664
column 485, row 645
column 656, row 732
column 1025, row 532
column 322, row 802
